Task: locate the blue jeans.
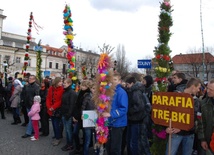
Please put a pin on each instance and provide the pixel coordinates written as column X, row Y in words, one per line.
column 68, row 130
column 185, row 141
column 76, row 135
column 29, row 126
column 56, row 122
column 87, row 140
column 137, row 139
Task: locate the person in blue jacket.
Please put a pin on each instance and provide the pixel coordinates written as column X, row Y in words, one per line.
column 117, row 117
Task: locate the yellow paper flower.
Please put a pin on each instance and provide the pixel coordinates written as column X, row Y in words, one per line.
column 74, row 78
column 103, row 83
column 71, row 37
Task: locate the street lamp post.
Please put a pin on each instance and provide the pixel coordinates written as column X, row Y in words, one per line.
column 202, row 37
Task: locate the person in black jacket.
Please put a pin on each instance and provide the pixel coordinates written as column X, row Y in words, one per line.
column 85, row 91
column 23, row 107
column 87, row 104
column 138, row 142
column 67, row 108
column 32, row 89
column 2, row 97
column 43, row 113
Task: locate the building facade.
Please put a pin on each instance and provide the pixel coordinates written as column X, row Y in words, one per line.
column 195, row 65
column 54, row 60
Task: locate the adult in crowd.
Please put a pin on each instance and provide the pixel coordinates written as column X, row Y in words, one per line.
column 32, row 89
column 2, row 99
column 87, row 104
column 53, row 103
column 138, row 119
column 23, row 107
column 205, row 125
column 117, row 117
column 9, row 90
column 43, row 113
column 179, row 81
column 15, row 101
column 148, row 83
column 183, row 138
column 68, row 107
column 84, row 90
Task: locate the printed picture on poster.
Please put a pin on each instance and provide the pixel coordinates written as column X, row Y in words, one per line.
column 89, row 118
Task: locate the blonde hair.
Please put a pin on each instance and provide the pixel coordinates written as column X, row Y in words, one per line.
column 85, row 83
column 68, row 80
column 56, row 81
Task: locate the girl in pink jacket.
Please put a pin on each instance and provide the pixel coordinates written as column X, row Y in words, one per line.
column 34, row 114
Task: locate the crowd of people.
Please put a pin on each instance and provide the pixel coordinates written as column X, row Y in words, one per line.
column 130, row 123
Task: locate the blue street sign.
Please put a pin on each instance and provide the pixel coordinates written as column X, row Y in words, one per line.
column 47, row 73
column 144, row 64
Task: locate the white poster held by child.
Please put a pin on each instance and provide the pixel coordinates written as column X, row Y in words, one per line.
column 89, row 118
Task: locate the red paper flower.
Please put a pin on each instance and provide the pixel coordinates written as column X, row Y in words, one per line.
column 158, row 56
column 212, row 142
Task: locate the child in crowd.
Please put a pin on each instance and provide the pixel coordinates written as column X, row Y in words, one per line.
column 34, row 114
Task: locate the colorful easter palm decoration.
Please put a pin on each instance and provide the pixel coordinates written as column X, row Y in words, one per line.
column 162, row 71
column 26, row 58
column 84, row 74
column 103, row 97
column 68, row 32
column 27, row 46
column 38, row 49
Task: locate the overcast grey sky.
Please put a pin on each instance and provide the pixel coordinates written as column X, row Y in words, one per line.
column 132, row 23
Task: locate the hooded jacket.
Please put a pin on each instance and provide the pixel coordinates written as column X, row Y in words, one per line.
column 136, row 110
column 119, row 108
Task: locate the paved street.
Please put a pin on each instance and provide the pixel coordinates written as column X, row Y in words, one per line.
column 11, row 142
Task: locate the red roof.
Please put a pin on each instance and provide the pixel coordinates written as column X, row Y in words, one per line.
column 193, row 58
column 53, row 49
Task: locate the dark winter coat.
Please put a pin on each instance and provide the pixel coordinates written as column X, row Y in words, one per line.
column 43, row 95
column 79, row 103
column 205, row 124
column 31, row 90
column 136, row 104
column 87, row 103
column 68, row 102
column 181, row 86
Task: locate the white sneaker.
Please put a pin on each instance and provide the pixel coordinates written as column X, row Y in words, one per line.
column 33, row 139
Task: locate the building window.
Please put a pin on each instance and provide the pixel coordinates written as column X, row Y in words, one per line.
column 57, row 53
column 64, row 54
column 64, row 69
column 57, row 65
column 29, row 62
column 50, row 64
column 7, row 58
column 18, row 59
